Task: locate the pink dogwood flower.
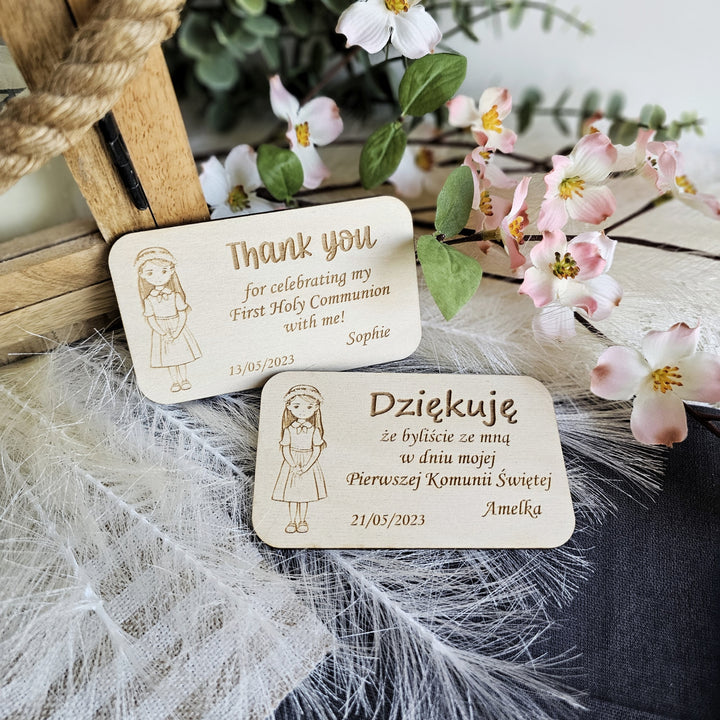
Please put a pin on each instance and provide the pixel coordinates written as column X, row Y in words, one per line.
column 316, row 123
column 490, row 188
column 667, row 372
column 230, row 189
column 633, row 157
column 574, row 185
column 411, row 30
column 567, row 276
column 486, row 119
column 514, row 223
column 665, row 168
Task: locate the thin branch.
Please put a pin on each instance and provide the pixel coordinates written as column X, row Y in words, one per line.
column 641, row 211
column 504, row 7
column 345, row 60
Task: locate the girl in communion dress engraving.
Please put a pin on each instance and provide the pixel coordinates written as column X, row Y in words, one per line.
column 301, row 480
column 172, row 345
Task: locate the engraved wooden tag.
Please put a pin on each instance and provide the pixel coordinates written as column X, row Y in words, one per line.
column 394, row 460
column 221, row 306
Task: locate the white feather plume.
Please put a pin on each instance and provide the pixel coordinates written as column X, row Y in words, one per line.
column 129, row 590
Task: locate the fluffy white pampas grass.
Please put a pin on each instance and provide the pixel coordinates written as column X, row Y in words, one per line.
column 130, row 589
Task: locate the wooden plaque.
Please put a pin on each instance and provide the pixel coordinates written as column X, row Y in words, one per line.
column 221, row 306
column 392, row 460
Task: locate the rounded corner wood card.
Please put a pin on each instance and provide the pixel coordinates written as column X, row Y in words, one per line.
column 398, row 460
column 217, row 307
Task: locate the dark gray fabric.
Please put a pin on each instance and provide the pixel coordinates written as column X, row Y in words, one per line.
column 648, row 621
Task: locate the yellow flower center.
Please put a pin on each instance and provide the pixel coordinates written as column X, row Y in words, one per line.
column 425, row 159
column 665, row 378
column 516, row 228
column 397, row 6
column 302, row 133
column 238, row 199
column 564, row 267
column 491, row 120
column 486, row 207
column 571, row 186
column 685, row 185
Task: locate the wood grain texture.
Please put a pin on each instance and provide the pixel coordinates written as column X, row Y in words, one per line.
column 53, row 285
column 149, row 119
column 407, row 460
column 38, row 33
column 49, row 237
column 53, row 271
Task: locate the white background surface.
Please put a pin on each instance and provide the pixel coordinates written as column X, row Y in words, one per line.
column 654, row 51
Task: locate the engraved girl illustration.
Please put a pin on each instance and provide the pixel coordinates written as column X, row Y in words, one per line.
column 172, row 345
column 301, row 480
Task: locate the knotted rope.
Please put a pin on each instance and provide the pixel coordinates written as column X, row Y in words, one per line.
column 105, row 53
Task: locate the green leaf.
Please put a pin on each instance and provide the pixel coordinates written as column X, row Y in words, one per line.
column 674, row 130
column 241, row 43
column 431, row 81
column 280, row 171
column 548, row 17
column 451, row 276
column 526, row 110
column 615, row 105
column 196, row 37
column 623, row 132
column 251, row 7
column 270, row 49
column 455, row 202
column 657, row 118
column 220, row 115
column 515, row 13
column 381, row 154
column 336, row 6
column 218, row 71
column 462, row 14
column 645, row 114
column 564, row 97
column 262, row 26
column 590, row 103
column 297, row 19
column 562, row 126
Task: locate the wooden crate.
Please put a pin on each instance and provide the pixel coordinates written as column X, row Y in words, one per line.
column 54, row 285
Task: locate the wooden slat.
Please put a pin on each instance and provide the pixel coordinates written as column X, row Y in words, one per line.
column 53, row 271
column 28, row 244
column 61, row 319
column 155, row 133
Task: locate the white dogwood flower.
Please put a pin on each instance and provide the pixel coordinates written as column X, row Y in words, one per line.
column 229, row 189
column 370, row 24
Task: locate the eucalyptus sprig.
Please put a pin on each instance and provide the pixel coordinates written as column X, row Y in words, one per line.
column 226, row 49
column 623, row 128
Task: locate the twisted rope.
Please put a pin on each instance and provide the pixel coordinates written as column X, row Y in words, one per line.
column 106, row 52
